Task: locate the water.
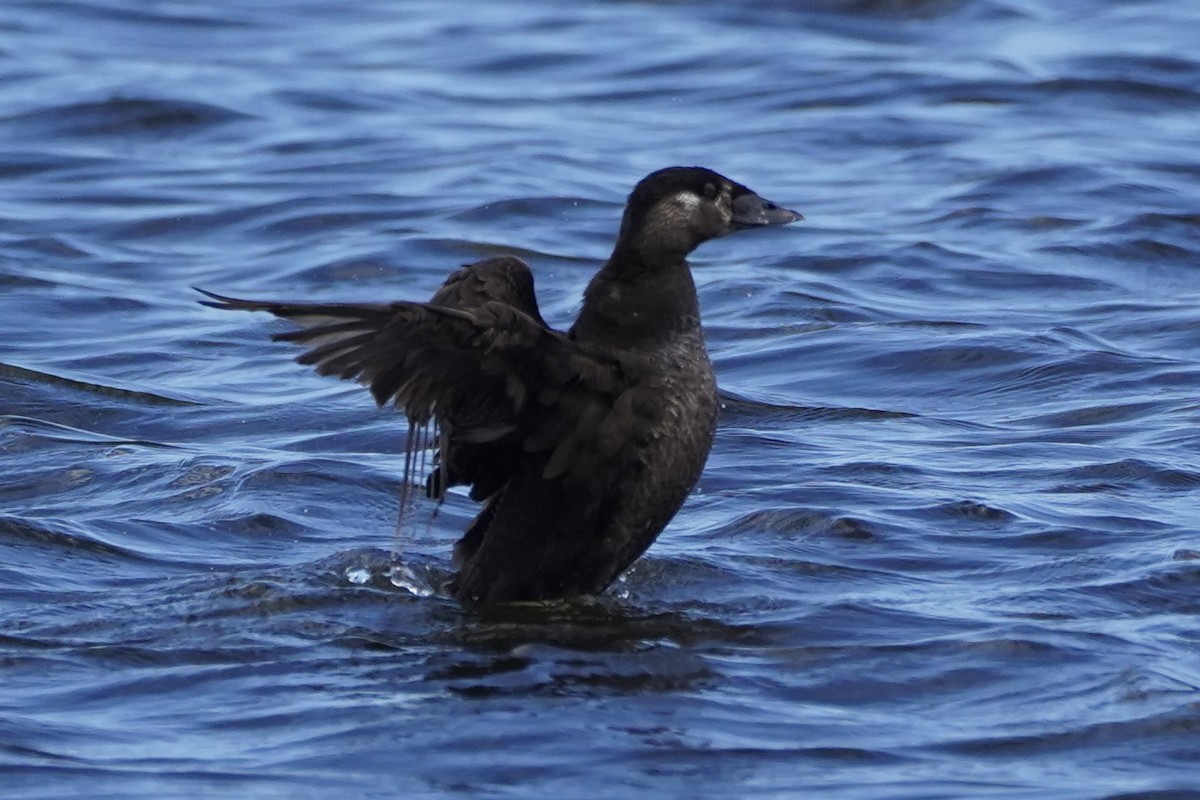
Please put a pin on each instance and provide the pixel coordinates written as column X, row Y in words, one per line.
column 947, row 541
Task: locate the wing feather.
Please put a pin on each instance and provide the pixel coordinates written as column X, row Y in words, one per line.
column 479, row 360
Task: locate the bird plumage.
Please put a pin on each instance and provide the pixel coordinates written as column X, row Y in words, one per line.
column 581, row 444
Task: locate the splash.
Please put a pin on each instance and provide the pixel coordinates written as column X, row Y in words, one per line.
column 421, row 473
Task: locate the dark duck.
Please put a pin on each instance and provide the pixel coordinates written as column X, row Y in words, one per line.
column 581, row 444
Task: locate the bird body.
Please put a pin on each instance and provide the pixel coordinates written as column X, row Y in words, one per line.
column 582, row 444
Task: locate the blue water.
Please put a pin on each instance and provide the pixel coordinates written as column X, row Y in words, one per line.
column 948, row 541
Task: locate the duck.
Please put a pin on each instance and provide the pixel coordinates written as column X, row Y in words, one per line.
column 581, row 445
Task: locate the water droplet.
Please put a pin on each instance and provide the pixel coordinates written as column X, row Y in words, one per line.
column 404, row 577
column 358, row 575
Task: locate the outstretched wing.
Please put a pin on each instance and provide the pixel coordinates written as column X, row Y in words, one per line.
column 485, row 466
column 504, row 279
column 478, row 359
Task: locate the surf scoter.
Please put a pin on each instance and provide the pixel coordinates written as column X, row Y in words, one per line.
column 581, row 444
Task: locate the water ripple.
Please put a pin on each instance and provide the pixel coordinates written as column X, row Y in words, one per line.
column 944, row 546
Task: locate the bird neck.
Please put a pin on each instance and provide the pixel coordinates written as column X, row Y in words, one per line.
column 634, row 301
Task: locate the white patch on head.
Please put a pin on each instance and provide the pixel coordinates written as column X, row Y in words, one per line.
column 688, row 200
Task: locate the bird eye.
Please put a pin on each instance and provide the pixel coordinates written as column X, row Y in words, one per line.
column 710, row 191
